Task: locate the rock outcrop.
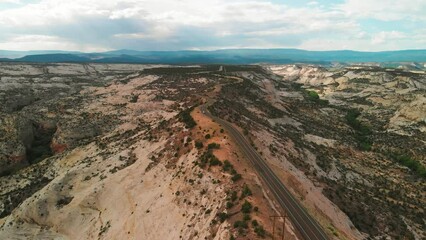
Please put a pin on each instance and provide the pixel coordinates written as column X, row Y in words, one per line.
column 16, row 136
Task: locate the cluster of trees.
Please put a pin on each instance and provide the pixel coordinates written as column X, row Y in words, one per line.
column 363, row 132
column 412, row 164
column 209, row 158
column 313, row 96
column 186, row 118
column 228, row 167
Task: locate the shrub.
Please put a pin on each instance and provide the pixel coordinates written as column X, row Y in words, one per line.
column 246, row 207
column 246, row 191
column 313, row 96
column 208, row 136
column 186, row 118
column 351, row 118
column 198, row 144
column 215, row 162
column 213, row 146
column 365, row 145
column 134, row 98
column 236, row 177
column 222, row 216
column 240, row 224
column 229, row 205
column 209, row 157
column 412, row 164
column 254, row 223
column 227, row 166
column 362, row 131
column 234, row 196
column 260, row 231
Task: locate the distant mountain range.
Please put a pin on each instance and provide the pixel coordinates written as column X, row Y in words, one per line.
column 229, row 56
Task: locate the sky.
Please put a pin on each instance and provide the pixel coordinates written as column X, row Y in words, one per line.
column 103, row 25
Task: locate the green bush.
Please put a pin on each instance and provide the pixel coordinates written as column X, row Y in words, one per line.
column 227, row 166
column 215, row 162
column 210, row 158
column 352, row 119
column 363, row 132
column 234, row 196
column 213, row 146
column 222, row 216
column 313, row 96
column 246, row 207
column 412, row 164
column 254, row 223
column 198, row 144
column 246, row 191
column 186, row 118
column 240, row 224
column 260, row 231
column 236, row 177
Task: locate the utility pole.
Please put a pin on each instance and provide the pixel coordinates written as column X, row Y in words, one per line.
column 273, row 226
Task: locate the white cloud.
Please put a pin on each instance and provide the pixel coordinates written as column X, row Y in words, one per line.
column 44, row 42
column 385, row 10
column 185, row 12
column 127, row 13
column 383, row 37
column 157, row 32
column 10, row 1
column 382, row 41
column 192, row 23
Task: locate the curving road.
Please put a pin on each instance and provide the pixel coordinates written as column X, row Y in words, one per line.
column 304, row 223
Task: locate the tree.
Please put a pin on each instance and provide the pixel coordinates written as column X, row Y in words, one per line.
column 198, row 144
column 246, row 207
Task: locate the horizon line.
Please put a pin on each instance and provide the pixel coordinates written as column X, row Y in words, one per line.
column 213, row 50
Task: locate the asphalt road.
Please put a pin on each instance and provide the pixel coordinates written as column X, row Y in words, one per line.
column 305, row 224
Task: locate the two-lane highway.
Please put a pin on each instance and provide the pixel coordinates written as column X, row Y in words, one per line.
column 305, row 224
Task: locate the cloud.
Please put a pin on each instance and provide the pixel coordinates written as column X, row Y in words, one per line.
column 156, row 32
column 386, row 10
column 10, row 1
column 383, row 37
column 173, row 25
column 44, row 42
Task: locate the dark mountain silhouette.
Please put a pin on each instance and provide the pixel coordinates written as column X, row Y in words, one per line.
column 229, row 56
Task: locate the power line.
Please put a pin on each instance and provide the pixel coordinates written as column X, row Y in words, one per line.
column 273, row 226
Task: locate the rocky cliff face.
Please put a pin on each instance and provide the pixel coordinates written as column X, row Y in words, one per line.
column 394, row 95
column 349, row 141
column 17, row 136
column 108, row 155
